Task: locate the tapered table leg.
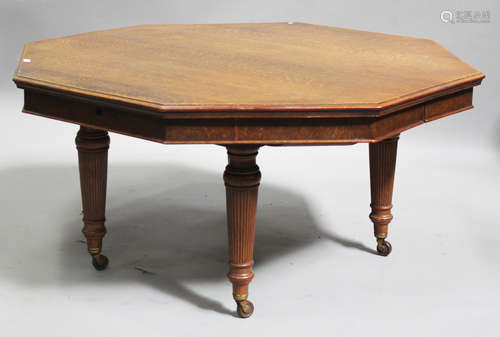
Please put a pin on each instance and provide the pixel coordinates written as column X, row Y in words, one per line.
column 382, row 167
column 242, row 178
column 92, row 148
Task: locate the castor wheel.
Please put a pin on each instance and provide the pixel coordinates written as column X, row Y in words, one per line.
column 100, row 262
column 384, row 248
column 245, row 308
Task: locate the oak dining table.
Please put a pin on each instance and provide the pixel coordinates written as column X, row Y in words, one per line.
column 241, row 86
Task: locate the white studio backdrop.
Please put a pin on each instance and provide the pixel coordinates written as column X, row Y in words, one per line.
column 315, row 273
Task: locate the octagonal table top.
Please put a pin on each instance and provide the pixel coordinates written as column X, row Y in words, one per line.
column 252, row 66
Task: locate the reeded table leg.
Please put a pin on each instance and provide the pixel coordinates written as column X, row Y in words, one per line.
column 242, row 178
column 92, row 148
column 382, row 166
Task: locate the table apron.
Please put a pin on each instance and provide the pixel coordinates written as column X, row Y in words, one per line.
column 258, row 130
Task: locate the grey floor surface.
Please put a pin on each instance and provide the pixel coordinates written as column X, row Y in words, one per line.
column 316, row 271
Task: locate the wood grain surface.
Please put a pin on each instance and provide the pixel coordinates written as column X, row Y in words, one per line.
column 234, row 67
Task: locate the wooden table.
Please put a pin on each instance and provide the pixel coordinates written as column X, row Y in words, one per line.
column 241, row 86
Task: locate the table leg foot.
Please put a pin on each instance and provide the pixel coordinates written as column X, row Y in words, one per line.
column 384, row 247
column 382, row 169
column 92, row 148
column 99, row 261
column 242, row 178
column 244, row 308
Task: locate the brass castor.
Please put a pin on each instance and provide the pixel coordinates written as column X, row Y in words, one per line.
column 100, row 262
column 245, row 308
column 384, row 248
